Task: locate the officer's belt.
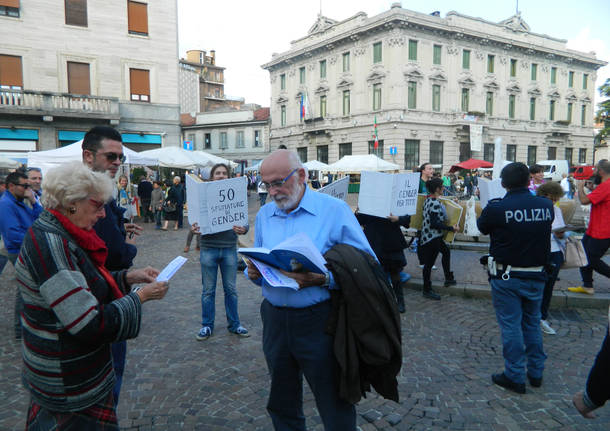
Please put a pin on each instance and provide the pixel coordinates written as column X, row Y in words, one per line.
column 502, row 267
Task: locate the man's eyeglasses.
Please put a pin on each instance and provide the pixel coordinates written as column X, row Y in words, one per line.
column 111, row 157
column 279, row 183
column 25, row 186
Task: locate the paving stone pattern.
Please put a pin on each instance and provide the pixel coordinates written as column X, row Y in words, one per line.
column 450, row 347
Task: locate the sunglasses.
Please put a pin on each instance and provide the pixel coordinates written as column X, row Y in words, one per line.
column 25, row 186
column 279, row 183
column 111, row 157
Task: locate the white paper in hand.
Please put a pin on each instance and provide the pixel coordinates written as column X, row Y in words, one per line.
column 171, row 268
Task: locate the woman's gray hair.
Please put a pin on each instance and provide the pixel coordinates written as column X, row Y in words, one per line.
column 73, row 182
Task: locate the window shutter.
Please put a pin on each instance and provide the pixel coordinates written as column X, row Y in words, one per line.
column 139, row 81
column 78, row 78
column 138, row 17
column 10, row 3
column 76, row 12
column 10, row 71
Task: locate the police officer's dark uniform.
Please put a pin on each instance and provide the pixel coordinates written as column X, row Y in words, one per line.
column 520, row 227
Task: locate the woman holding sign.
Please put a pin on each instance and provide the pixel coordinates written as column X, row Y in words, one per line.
column 218, row 250
column 433, row 227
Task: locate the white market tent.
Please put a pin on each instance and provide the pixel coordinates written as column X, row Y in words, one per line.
column 8, row 163
column 254, row 167
column 314, row 165
column 211, row 159
column 367, row 162
column 176, row 157
column 46, row 160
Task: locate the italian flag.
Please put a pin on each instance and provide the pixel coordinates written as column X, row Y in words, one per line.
column 375, row 135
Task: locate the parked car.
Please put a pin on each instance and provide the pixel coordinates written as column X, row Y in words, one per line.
column 582, row 172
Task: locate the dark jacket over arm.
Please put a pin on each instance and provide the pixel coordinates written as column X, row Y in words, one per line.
column 112, row 231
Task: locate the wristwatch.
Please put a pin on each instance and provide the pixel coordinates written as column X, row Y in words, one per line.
column 326, row 279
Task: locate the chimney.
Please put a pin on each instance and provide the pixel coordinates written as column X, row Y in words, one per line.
column 213, row 56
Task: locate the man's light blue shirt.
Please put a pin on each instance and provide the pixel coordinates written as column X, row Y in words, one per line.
column 326, row 220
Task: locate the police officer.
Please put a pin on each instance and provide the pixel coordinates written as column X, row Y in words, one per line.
column 519, row 226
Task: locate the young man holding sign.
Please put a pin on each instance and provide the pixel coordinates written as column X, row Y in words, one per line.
column 218, row 250
column 294, row 321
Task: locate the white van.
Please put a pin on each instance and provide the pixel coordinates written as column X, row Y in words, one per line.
column 554, row 169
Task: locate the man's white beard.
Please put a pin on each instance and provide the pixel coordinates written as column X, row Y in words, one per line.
column 289, row 201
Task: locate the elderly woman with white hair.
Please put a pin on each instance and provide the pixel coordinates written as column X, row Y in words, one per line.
column 74, row 307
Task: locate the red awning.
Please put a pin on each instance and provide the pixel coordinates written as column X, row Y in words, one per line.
column 471, row 164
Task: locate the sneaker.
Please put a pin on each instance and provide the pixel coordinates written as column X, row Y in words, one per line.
column 431, row 294
column 536, row 382
column 546, row 328
column 505, row 382
column 204, row 333
column 433, row 266
column 448, row 283
column 241, row 332
column 404, row 277
column 581, row 289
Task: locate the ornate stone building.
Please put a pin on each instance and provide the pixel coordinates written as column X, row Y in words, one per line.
column 425, row 80
column 91, row 63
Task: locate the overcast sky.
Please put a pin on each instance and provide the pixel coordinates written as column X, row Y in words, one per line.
column 245, row 33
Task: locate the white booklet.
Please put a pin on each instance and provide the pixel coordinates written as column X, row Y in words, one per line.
column 273, row 276
column 171, row 268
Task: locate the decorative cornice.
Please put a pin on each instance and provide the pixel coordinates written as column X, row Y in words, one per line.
column 322, row 88
column 534, row 91
column 466, row 80
column 513, row 88
column 282, row 99
column 413, row 72
column 438, row 76
column 345, row 82
column 491, row 84
column 396, row 38
column 553, row 94
column 376, row 75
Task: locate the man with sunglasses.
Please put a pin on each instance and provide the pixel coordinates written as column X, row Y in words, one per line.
column 294, row 321
column 16, row 219
column 103, row 152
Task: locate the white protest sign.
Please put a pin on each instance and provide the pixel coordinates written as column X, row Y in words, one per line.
column 476, row 137
column 490, row 189
column 217, row 206
column 337, row 189
column 384, row 194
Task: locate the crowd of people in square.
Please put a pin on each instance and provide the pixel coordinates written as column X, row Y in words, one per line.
column 71, row 237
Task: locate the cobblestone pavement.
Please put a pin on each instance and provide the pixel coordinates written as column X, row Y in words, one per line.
column 451, row 347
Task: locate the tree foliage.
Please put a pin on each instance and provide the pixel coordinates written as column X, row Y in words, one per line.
column 603, row 113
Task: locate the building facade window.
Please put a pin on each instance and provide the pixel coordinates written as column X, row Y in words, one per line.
column 582, row 155
column 437, row 51
column 532, row 108
column 412, row 96
column 511, row 153
column 322, row 106
column 139, row 81
column 283, row 81
column 379, row 151
column 552, row 110
column 377, row 57
column 466, row 59
column 9, row 8
column 411, row 154
column 283, row 115
column 412, row 50
column 137, row 18
column 513, row 68
column 346, row 102
column 322, row 153
column 224, row 142
column 489, row 103
column 346, row 61
column 191, row 139
column 302, row 152
column 570, row 79
column 257, row 138
column 240, row 142
column 465, row 99
column 511, row 106
column 569, row 155
column 465, row 152
column 323, row 69
column 436, row 98
column 569, row 113
column 436, row 152
column 301, row 75
column 207, row 141
column 76, row 12
column 78, row 78
column 11, row 72
column 376, row 97
column 583, row 115
column 531, row 155
column 553, row 75
column 345, row 149
column 490, row 63
column 534, row 72
column 585, row 79
column 552, row 153
column 488, row 152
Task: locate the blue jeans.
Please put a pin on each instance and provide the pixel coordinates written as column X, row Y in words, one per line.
column 119, row 353
column 158, row 214
column 295, row 344
column 263, row 198
column 517, row 304
column 211, row 259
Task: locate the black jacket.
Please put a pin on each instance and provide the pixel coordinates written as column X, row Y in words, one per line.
column 385, row 237
column 111, row 229
column 365, row 324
